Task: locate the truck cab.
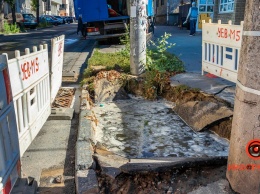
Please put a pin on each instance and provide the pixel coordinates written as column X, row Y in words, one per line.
column 9, row 143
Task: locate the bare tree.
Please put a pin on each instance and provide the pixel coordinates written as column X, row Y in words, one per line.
column 244, row 155
column 11, row 3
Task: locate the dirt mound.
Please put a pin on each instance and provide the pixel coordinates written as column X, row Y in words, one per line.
column 177, row 181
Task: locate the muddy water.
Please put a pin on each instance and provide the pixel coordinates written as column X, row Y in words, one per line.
column 139, row 128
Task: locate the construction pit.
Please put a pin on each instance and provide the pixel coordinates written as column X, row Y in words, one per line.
column 144, row 146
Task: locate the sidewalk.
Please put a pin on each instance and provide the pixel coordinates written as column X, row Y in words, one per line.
column 52, row 153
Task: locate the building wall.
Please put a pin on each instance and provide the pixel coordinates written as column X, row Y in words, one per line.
column 161, row 10
column 236, row 16
column 64, row 11
column 24, row 6
column 240, row 11
column 55, row 8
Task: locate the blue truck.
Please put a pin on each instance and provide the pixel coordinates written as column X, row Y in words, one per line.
column 106, row 18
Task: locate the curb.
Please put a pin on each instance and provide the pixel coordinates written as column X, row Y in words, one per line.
column 85, row 177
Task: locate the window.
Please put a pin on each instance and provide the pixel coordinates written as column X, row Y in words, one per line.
column 226, row 6
column 162, row 2
column 206, row 6
column 157, row 3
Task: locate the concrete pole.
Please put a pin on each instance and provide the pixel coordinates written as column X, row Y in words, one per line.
column 137, row 36
column 243, row 170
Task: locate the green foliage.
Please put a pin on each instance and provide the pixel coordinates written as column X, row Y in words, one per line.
column 159, row 59
column 160, row 66
column 109, row 60
column 10, row 28
column 154, row 83
column 10, row 2
column 125, row 40
column 43, row 24
column 34, row 4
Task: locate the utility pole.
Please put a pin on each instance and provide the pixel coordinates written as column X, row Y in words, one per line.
column 138, row 27
column 243, row 170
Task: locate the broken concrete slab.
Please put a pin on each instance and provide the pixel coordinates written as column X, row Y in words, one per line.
column 205, row 84
column 86, row 182
column 110, row 163
column 61, row 114
column 161, row 164
column 106, row 90
column 213, row 188
column 199, row 114
column 228, row 94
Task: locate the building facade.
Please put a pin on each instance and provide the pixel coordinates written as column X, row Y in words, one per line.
column 170, row 8
column 223, row 10
column 226, row 10
column 46, row 7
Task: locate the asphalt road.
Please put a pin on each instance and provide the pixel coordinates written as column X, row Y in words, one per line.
column 10, row 43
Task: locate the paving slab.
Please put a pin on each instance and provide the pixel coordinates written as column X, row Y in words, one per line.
column 61, row 114
column 228, row 94
column 48, row 149
column 194, row 80
column 215, row 86
column 75, row 58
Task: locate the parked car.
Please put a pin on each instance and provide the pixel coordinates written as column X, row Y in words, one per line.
column 29, row 20
column 69, row 19
column 26, row 19
column 61, row 20
column 49, row 19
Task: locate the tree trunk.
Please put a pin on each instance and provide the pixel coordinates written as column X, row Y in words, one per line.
column 13, row 13
column 244, row 155
column 1, row 15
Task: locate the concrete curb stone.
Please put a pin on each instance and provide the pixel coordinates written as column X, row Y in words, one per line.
column 86, row 181
column 85, row 176
column 83, row 154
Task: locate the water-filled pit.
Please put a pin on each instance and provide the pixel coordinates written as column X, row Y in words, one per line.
column 139, row 128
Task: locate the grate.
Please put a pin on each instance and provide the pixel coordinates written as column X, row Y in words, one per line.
column 64, row 98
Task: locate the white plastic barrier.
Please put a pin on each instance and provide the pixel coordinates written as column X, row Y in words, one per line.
column 57, row 47
column 221, row 45
column 30, row 83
